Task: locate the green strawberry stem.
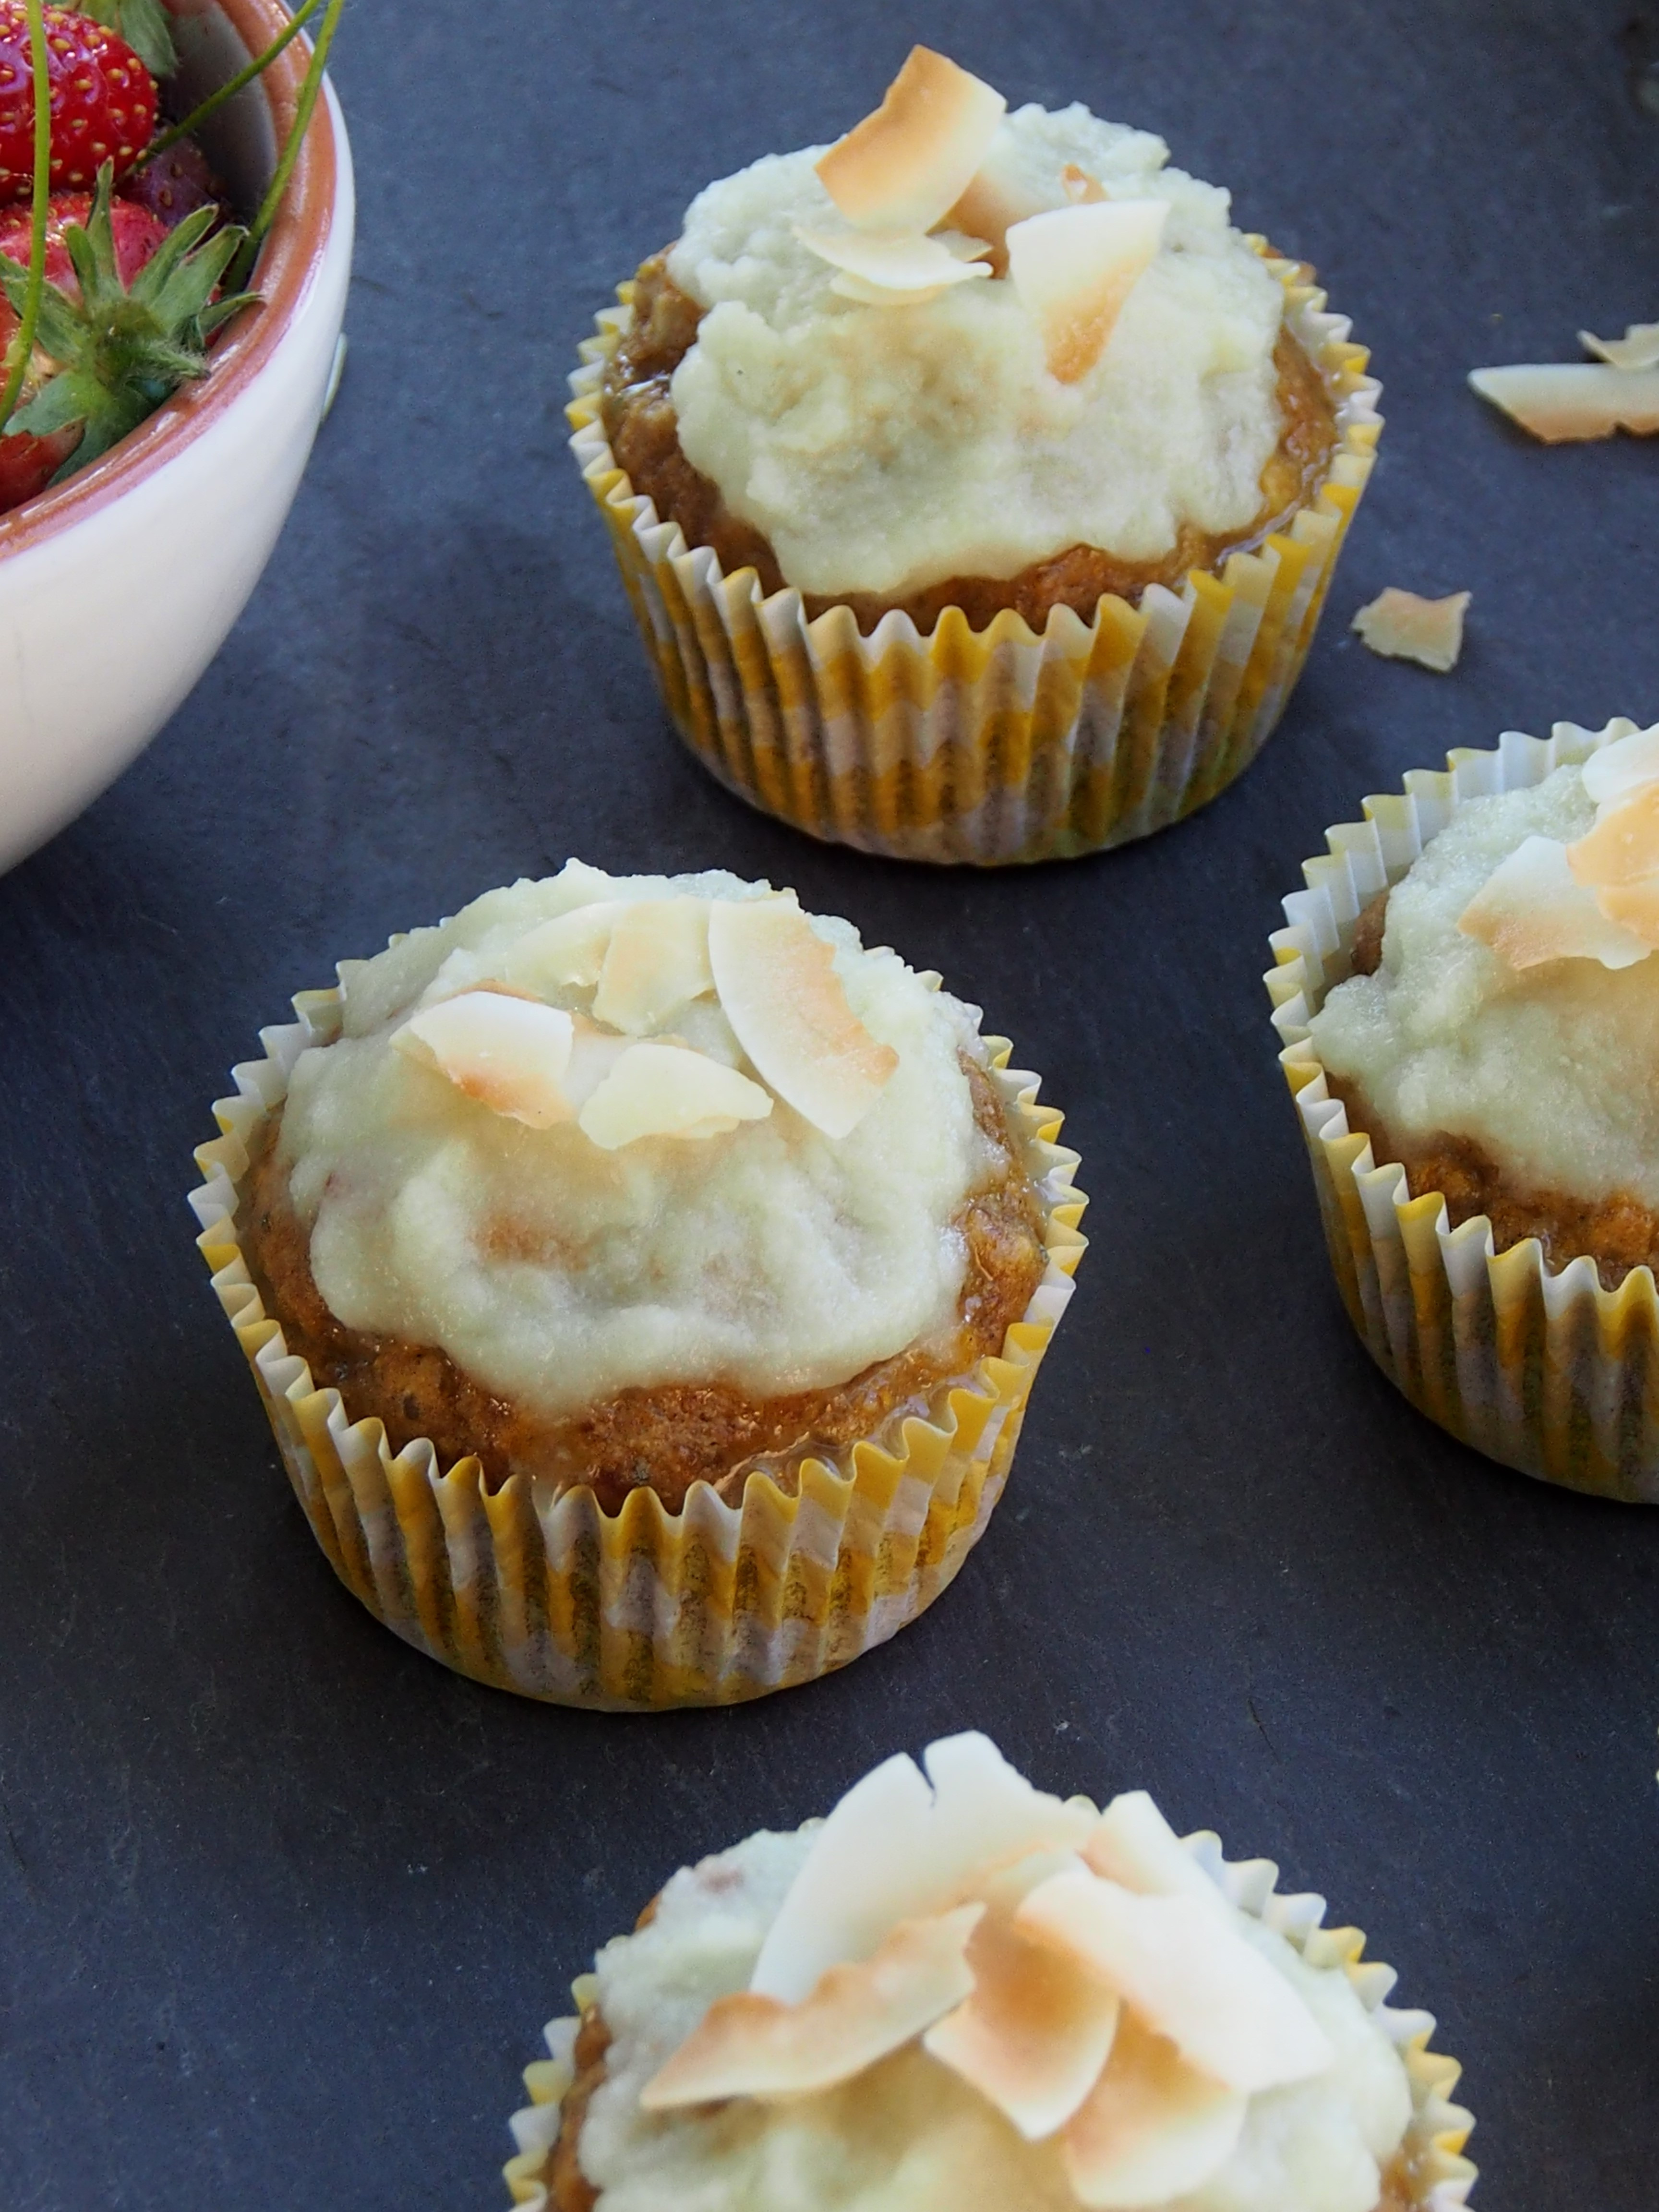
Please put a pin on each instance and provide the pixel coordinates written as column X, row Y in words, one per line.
column 243, row 78
column 23, row 343
column 242, row 267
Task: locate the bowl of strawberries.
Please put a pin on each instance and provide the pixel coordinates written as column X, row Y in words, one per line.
column 175, row 248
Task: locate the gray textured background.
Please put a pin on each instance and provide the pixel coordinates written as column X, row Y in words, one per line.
column 283, row 1905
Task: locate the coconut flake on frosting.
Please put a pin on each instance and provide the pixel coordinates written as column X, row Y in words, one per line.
column 1596, row 898
column 571, row 1207
column 901, row 169
column 1073, row 270
column 784, row 2030
column 1514, row 1003
column 1109, row 379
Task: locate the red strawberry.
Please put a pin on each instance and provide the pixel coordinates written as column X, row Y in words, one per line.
column 27, row 464
column 103, row 100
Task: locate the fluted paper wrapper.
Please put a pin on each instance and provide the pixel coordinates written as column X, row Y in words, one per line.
column 997, row 744
column 1434, row 2169
column 1549, row 1373
column 545, row 1594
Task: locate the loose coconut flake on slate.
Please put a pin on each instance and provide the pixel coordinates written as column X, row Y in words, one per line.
column 1563, row 401
column 1638, row 348
column 508, row 1052
column 905, row 167
column 1400, row 626
column 779, row 990
column 756, row 2046
column 1074, row 267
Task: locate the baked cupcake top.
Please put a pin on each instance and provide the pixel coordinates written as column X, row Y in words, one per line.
column 958, row 1994
column 961, row 341
column 1516, row 1003
column 596, row 1133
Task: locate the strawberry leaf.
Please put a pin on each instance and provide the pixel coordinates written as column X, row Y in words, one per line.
column 120, row 350
column 144, row 24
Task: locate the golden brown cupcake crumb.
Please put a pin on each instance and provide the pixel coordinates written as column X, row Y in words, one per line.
column 1618, row 1233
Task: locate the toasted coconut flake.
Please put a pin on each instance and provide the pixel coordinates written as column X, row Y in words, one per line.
column 565, row 953
column 656, row 963
column 778, row 985
column 1633, row 908
column 1189, row 1975
column 507, row 1052
column 903, row 167
column 1154, row 2128
column 1079, row 187
column 1400, row 626
column 593, row 1053
column 1034, row 2032
column 1073, row 269
column 754, row 2046
column 1623, row 846
column 894, row 1849
column 1561, row 401
column 658, row 1089
column 1134, row 1845
column 1532, row 908
column 998, row 196
column 893, row 269
column 1638, row 348
column 1623, row 766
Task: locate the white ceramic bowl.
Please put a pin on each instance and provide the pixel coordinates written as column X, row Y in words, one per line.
column 117, row 589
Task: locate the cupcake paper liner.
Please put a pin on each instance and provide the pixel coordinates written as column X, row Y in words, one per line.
column 1435, row 2136
column 1548, row 1372
column 998, row 745
column 549, row 1596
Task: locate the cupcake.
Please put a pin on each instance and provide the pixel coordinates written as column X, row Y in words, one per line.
column 644, row 1279
column 976, row 484
column 1470, row 1020
column 958, row 1994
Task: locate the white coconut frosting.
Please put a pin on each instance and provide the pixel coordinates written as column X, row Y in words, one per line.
column 1016, row 2002
column 577, row 1166
column 883, row 447
column 1516, row 1004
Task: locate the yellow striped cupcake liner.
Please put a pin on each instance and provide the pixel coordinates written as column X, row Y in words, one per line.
column 988, row 745
column 1437, row 2174
column 545, row 1593
column 1549, row 1373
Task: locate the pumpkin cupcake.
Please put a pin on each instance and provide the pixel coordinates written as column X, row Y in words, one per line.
column 976, row 484
column 644, row 1279
column 1471, row 1013
column 958, row 1994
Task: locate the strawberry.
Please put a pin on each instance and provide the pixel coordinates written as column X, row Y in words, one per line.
column 128, row 308
column 103, row 100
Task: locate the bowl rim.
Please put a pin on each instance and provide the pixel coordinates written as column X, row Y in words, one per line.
column 292, row 256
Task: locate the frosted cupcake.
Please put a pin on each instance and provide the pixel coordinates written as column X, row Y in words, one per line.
column 1013, row 476
column 958, row 1994
column 1475, row 1046
column 645, row 1280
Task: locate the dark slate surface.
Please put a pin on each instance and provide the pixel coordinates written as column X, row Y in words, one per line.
column 284, row 1905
